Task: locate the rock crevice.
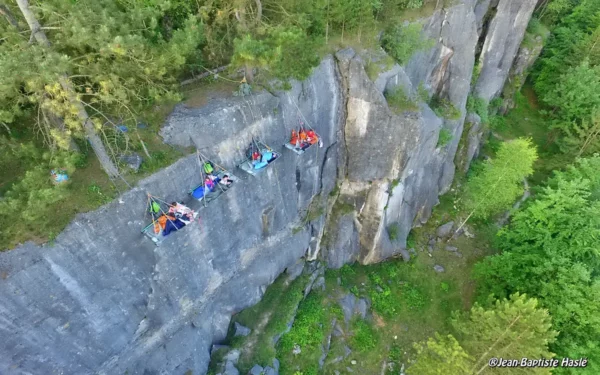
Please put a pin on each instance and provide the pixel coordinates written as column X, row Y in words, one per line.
column 103, row 299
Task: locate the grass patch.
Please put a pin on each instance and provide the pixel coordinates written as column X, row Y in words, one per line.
column 525, row 120
column 444, row 108
column 422, row 93
column 400, row 102
column 444, row 138
column 480, row 106
column 535, row 30
column 267, row 319
column 377, row 65
column 307, row 335
column 365, row 337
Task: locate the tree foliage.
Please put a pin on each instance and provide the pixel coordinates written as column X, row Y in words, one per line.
column 551, row 252
column 440, row 356
column 499, row 181
column 507, row 328
column 401, row 42
column 113, row 53
column 567, row 78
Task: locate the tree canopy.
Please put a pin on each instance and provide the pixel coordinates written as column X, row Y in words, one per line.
column 551, row 252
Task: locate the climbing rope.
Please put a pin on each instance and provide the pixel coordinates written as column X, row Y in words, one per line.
column 204, row 161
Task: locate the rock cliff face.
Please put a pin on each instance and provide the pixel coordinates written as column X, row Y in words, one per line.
column 502, row 42
column 103, row 299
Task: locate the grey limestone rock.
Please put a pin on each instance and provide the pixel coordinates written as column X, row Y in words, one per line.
column 295, row 270
column 361, row 307
column 502, row 42
column 451, row 248
column 108, row 296
column 233, row 356
column 132, row 161
column 256, row 370
column 240, row 330
column 319, row 283
column 348, row 302
column 444, row 229
column 438, row 268
column 230, row 369
column 345, row 246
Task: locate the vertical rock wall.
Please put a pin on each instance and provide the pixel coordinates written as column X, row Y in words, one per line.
column 502, row 42
column 103, row 299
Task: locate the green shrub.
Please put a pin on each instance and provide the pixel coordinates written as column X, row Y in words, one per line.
column 411, row 241
column 445, row 287
column 444, row 108
column 476, row 73
column 393, row 232
column 536, row 27
column 384, row 302
column 444, row 138
column 479, row 106
column 401, row 42
column 307, row 330
column 411, row 4
column 364, row 338
column 495, row 105
column 413, row 298
column 400, row 102
column 422, row 93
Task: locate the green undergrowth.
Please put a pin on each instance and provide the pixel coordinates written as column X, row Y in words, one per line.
column 444, row 108
column 444, row 138
column 88, row 187
column 525, row 120
column 307, row 335
column 399, row 101
column 266, row 319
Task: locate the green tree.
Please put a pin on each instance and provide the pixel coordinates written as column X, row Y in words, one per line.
column 401, row 42
column 510, row 328
column 581, row 138
column 440, row 356
column 496, row 185
column 98, row 61
column 576, row 94
column 551, row 252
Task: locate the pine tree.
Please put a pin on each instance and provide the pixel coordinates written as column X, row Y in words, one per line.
column 551, row 252
column 510, row 328
column 440, row 356
column 497, row 184
column 105, row 63
column 68, row 95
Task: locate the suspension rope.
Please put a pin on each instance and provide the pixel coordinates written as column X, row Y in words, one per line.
column 201, row 176
column 204, row 161
column 153, row 198
column 299, row 111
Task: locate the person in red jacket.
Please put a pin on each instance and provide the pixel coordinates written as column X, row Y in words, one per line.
column 294, row 138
